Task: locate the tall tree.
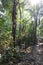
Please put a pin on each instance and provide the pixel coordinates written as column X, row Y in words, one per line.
column 14, row 13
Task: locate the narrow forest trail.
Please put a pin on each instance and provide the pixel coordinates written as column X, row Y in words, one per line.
column 35, row 57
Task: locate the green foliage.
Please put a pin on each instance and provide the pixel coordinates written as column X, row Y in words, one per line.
column 5, row 22
column 9, row 54
column 7, row 4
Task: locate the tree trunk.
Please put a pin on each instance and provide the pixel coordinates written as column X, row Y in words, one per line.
column 14, row 13
column 35, row 31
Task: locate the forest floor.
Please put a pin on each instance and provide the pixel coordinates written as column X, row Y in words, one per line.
column 32, row 56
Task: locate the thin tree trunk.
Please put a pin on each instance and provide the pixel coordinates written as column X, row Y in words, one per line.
column 20, row 19
column 35, row 32
column 14, row 13
column 19, row 27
